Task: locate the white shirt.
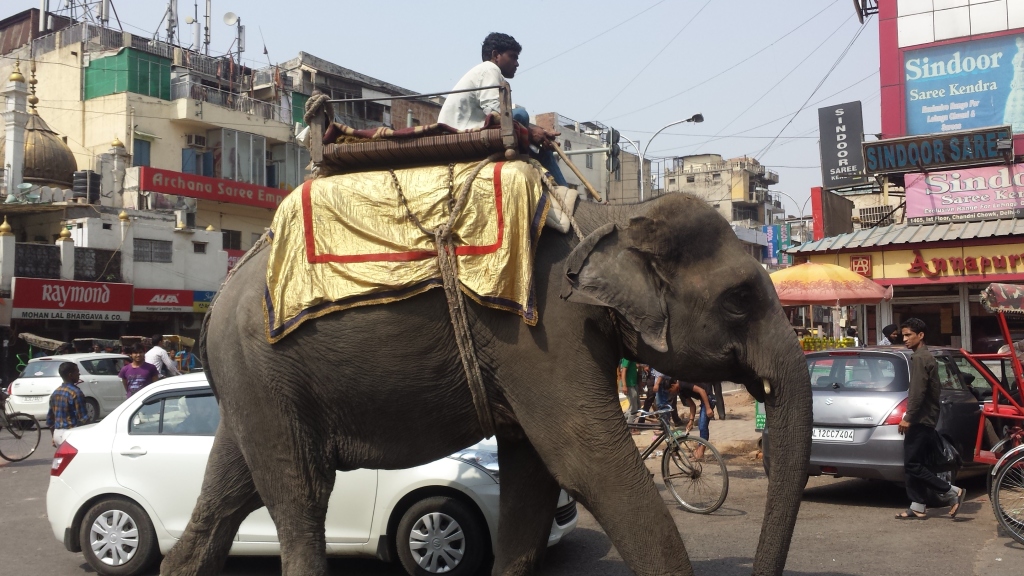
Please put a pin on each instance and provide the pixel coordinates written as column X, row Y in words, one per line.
column 468, row 110
column 157, row 356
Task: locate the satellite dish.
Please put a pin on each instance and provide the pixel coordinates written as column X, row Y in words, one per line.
column 190, row 20
column 230, row 18
column 24, row 186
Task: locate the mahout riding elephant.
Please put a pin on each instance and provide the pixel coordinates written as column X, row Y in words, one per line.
column 383, row 387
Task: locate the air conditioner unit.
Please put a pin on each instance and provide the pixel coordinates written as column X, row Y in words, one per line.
column 195, row 140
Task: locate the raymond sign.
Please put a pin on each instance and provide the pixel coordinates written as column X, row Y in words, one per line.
column 990, row 193
column 153, row 300
column 43, row 299
column 203, row 188
column 841, row 129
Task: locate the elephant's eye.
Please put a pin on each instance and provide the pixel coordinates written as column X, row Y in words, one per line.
column 737, row 301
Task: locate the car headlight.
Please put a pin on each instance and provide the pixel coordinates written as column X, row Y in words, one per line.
column 484, row 460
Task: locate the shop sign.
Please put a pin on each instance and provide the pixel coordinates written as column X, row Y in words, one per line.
column 785, row 242
column 964, row 265
column 989, row 193
column 205, row 188
column 770, row 253
column 841, row 129
column 962, row 86
column 45, row 299
column 201, row 301
column 233, row 257
column 861, row 264
column 155, row 300
column 937, row 151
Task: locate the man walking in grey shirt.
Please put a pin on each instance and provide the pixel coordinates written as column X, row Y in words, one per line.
column 918, row 427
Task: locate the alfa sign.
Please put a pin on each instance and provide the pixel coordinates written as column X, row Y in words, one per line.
column 155, row 300
column 44, row 299
column 936, row 151
column 990, row 193
column 204, row 188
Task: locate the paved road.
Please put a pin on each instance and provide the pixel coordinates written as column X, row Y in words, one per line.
column 846, row 527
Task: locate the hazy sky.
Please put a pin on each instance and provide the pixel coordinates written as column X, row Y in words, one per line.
column 636, row 66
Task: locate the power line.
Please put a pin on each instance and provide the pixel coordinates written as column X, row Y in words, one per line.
column 736, row 65
column 655, row 57
column 592, row 38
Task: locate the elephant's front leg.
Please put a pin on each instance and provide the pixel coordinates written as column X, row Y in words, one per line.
column 528, row 498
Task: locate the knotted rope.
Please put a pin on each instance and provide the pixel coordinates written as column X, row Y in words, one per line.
column 317, row 102
column 449, row 266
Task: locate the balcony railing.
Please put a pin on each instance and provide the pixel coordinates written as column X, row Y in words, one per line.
column 230, row 100
column 36, row 260
column 265, row 77
column 97, row 265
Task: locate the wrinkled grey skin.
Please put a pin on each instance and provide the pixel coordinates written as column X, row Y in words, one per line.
column 383, row 387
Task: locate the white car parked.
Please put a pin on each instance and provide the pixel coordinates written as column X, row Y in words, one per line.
column 104, row 391
column 121, row 491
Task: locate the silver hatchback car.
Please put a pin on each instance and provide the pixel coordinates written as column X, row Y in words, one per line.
column 860, row 396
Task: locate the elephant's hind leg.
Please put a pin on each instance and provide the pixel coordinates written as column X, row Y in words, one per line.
column 228, row 496
column 528, row 498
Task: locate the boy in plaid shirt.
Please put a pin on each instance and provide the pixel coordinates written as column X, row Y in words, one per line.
column 67, row 404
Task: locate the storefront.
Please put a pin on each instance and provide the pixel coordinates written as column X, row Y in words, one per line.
column 168, row 311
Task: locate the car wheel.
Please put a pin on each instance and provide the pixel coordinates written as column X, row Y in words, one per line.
column 117, row 538
column 92, row 408
column 441, row 535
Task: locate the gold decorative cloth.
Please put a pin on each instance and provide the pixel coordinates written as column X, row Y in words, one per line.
column 348, row 240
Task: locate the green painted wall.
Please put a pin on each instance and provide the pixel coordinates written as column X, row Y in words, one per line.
column 129, row 70
column 298, row 107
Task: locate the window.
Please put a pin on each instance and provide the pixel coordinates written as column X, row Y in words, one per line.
column 103, row 366
column 255, row 238
column 199, row 247
column 232, row 240
column 716, row 177
column 153, row 250
column 671, row 180
column 243, row 156
column 45, row 369
column 590, row 160
column 949, row 378
column 196, row 162
column 107, row 226
column 140, row 152
column 567, row 145
column 180, row 413
column 881, row 373
column 689, row 179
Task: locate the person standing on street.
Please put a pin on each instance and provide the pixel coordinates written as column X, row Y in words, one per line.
column 918, row 428
column 139, row 373
column 890, row 336
column 627, row 385
column 67, row 404
column 158, row 357
column 691, row 391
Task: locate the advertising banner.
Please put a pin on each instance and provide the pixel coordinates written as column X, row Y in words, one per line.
column 992, row 192
column 841, row 129
column 45, row 299
column 233, row 257
column 784, row 243
column 771, row 251
column 965, row 85
column 937, row 151
column 201, row 301
column 155, row 300
column 204, row 188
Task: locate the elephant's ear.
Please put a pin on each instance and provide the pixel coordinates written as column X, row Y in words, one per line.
column 603, row 270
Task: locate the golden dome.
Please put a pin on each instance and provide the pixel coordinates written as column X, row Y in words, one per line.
column 209, row 228
column 65, row 234
column 5, row 228
column 17, row 76
column 123, row 216
column 116, row 143
column 48, row 160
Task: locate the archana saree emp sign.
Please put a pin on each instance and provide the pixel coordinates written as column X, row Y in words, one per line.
column 989, row 193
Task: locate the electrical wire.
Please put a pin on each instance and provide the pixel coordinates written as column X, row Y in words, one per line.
column 724, row 71
column 653, row 58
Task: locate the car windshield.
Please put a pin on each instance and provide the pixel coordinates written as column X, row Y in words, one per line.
column 883, row 373
column 42, row 369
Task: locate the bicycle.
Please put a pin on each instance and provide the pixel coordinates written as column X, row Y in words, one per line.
column 19, row 433
column 700, row 486
column 1007, row 486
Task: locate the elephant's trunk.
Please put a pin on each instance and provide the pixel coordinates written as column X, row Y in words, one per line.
column 783, row 379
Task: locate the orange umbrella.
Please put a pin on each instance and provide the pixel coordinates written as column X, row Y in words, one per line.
column 826, row 285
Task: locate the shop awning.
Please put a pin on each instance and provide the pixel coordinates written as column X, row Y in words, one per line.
column 912, row 234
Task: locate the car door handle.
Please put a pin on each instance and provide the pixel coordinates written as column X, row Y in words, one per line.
column 134, row 451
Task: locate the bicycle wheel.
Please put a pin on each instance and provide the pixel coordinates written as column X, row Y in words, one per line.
column 1008, row 497
column 20, row 437
column 699, row 486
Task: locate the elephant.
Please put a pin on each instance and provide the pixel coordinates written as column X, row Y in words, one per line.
column 686, row 297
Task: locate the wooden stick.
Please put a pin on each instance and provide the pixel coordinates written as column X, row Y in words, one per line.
column 576, row 171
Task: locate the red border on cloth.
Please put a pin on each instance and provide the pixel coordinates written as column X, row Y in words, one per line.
column 313, row 258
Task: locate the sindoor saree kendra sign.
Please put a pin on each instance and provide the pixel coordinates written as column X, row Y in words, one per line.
column 989, row 193
column 45, row 299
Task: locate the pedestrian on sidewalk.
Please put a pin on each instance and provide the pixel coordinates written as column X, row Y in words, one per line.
column 918, row 427
column 890, row 336
column 139, row 373
column 627, row 380
column 158, row 357
column 67, row 404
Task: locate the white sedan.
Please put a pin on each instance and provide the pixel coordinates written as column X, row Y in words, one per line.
column 103, row 389
column 121, row 491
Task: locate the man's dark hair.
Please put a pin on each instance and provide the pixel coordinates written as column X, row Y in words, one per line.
column 157, row 338
column 137, row 347
column 65, row 369
column 916, row 325
column 501, row 43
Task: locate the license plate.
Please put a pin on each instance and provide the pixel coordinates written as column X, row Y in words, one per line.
column 32, row 399
column 832, row 434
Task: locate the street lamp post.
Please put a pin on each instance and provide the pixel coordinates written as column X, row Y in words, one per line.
column 696, row 119
column 640, row 170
